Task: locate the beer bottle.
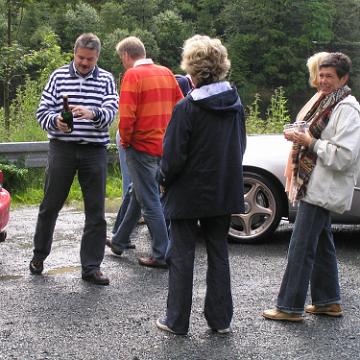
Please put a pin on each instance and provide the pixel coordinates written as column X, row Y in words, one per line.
column 66, row 114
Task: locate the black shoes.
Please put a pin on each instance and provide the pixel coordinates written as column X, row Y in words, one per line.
column 97, row 278
column 36, row 266
column 117, row 249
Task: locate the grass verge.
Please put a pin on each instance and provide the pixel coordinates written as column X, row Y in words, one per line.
column 32, row 193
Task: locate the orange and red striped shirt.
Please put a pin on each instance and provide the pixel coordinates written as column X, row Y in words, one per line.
column 148, row 95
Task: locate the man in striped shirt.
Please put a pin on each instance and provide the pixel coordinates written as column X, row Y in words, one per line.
column 148, row 95
column 93, row 101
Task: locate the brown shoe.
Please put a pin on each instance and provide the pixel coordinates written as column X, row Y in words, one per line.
column 96, row 277
column 275, row 314
column 152, row 262
column 330, row 310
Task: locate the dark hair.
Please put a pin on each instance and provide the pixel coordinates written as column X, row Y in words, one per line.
column 339, row 61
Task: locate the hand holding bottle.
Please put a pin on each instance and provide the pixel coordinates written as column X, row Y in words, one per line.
column 66, row 117
column 65, row 123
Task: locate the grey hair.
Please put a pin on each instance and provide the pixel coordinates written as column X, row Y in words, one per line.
column 88, row 41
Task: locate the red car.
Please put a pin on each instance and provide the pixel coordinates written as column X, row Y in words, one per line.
column 4, row 208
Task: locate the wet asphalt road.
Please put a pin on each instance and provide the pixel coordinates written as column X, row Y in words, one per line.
column 58, row 316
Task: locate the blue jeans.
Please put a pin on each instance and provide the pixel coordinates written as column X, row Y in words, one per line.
column 125, row 176
column 122, row 210
column 89, row 162
column 311, row 259
column 126, row 181
column 144, row 196
column 218, row 309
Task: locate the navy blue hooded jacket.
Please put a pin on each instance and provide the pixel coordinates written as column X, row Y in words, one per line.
column 201, row 167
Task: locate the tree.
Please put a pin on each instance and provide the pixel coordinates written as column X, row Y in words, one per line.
column 270, row 41
column 170, row 32
column 82, row 18
column 110, row 61
column 141, row 11
column 112, row 17
column 43, row 62
column 11, row 65
column 207, row 16
column 11, row 61
column 34, row 17
column 108, row 57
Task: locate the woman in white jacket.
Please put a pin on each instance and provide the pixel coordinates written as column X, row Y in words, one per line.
column 326, row 161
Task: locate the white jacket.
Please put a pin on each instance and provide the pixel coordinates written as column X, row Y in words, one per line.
column 333, row 179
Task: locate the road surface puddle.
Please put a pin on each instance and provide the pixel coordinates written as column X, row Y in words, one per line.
column 10, row 277
column 63, row 270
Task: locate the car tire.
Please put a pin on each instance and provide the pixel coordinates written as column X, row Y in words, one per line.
column 263, row 210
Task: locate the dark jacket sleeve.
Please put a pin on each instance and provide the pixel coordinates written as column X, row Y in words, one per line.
column 175, row 145
column 243, row 130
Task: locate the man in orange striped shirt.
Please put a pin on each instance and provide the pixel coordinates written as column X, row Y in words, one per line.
column 148, row 95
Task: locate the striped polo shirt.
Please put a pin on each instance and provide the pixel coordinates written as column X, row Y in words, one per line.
column 96, row 91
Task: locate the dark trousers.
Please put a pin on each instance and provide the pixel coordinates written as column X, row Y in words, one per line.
column 90, row 164
column 180, row 257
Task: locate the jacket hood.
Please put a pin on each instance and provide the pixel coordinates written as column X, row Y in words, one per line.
column 350, row 100
column 219, row 96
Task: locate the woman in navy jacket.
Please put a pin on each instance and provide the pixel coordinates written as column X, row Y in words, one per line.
column 202, row 181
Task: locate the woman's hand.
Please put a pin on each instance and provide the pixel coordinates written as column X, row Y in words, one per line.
column 302, row 138
column 289, row 135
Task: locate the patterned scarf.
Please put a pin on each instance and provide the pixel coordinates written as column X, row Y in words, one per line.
column 318, row 117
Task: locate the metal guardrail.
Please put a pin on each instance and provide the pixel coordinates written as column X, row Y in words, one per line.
column 30, row 154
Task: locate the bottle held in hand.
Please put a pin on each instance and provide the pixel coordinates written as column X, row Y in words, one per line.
column 67, row 115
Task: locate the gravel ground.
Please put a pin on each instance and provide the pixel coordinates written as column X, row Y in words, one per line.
column 58, row 316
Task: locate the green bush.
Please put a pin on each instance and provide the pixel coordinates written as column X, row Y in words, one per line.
column 277, row 115
column 254, row 123
column 14, row 177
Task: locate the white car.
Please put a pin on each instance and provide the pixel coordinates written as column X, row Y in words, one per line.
column 266, row 202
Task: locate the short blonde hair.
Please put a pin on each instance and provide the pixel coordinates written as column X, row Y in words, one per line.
column 133, row 46
column 312, row 64
column 205, row 59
